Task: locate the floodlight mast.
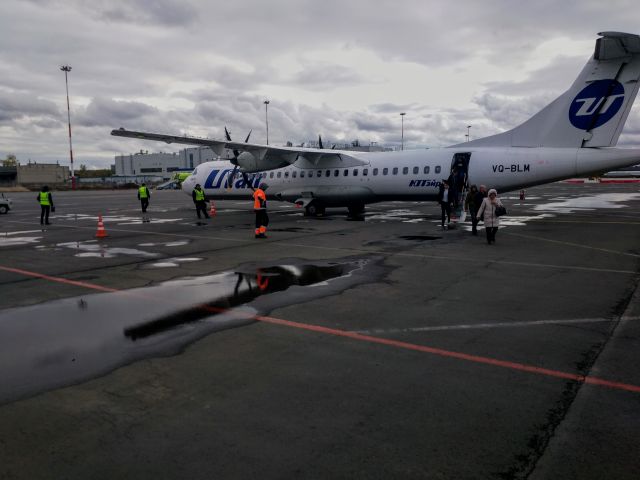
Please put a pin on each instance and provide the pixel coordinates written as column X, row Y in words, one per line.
column 66, row 69
column 266, row 117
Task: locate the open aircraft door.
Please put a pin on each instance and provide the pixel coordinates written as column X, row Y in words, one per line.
column 459, row 182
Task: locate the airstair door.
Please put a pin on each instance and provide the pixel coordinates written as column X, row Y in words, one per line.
column 458, row 182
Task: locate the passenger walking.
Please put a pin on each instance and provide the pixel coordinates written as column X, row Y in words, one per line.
column 260, row 208
column 445, row 198
column 199, row 201
column 461, row 183
column 453, row 187
column 472, row 204
column 45, row 199
column 488, row 212
column 144, row 195
column 481, row 195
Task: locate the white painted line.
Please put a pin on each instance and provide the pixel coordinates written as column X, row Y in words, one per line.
column 578, row 245
column 436, row 328
column 23, row 231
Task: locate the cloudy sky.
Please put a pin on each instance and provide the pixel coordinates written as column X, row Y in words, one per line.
column 342, row 69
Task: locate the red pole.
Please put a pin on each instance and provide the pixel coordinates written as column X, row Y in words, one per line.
column 66, row 69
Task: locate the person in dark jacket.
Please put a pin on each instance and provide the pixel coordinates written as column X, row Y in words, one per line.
column 471, row 204
column 453, row 187
column 445, row 199
column 199, row 201
column 45, row 199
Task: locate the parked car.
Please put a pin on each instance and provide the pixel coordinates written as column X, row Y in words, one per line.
column 5, row 203
column 169, row 186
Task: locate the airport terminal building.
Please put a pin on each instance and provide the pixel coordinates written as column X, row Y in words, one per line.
column 162, row 164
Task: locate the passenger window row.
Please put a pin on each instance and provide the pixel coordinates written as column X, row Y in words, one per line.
column 355, row 172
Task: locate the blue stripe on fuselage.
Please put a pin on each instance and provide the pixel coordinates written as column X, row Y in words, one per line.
column 215, row 181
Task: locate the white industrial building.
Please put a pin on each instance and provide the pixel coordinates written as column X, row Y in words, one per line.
column 162, row 164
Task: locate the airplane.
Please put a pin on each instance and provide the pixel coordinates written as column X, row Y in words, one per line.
column 573, row 136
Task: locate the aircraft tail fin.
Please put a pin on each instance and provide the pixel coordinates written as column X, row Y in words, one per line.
column 593, row 111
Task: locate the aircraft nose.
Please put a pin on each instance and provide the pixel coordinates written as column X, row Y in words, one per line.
column 187, row 184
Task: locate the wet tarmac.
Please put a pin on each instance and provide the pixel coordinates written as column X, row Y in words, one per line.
column 388, row 348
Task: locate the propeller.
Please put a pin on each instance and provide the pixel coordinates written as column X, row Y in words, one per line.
column 235, row 160
column 320, row 145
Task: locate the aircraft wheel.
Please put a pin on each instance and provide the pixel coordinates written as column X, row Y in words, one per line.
column 4, row 209
column 313, row 210
column 356, row 211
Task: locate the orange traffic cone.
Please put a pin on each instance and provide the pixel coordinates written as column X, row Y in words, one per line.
column 101, row 233
column 212, row 212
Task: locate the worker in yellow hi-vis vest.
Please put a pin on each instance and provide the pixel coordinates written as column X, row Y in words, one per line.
column 144, row 195
column 199, row 201
column 45, row 199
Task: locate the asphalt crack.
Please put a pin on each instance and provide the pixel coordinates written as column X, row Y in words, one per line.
column 526, row 463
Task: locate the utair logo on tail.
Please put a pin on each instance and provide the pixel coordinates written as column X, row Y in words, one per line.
column 602, row 99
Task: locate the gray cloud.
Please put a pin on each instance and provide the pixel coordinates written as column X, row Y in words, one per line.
column 327, row 76
column 22, row 106
column 107, row 112
column 193, row 66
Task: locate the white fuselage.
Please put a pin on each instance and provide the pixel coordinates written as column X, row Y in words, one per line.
column 409, row 174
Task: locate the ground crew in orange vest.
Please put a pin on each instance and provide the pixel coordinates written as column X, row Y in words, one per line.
column 260, row 207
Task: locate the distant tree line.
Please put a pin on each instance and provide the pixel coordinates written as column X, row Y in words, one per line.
column 84, row 172
column 10, row 161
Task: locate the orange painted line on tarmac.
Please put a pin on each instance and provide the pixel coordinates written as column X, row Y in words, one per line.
column 451, row 354
column 378, row 340
column 92, row 286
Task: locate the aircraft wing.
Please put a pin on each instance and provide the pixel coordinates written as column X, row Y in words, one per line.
column 256, row 157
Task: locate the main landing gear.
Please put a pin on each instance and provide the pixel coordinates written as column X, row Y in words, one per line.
column 314, row 210
column 356, row 212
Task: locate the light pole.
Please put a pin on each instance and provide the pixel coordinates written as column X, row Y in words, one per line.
column 266, row 117
column 468, row 136
column 402, row 137
column 66, row 69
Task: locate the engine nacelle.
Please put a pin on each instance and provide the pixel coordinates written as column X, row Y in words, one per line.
column 251, row 162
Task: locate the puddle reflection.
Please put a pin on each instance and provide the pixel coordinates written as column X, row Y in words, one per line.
column 70, row 340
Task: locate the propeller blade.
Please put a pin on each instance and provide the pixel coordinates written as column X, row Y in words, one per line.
column 235, row 152
column 246, row 140
column 320, row 142
column 231, row 177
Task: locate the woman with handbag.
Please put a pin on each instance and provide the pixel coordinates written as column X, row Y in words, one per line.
column 490, row 211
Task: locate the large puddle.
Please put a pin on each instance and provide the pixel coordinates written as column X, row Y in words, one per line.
column 586, row 203
column 67, row 341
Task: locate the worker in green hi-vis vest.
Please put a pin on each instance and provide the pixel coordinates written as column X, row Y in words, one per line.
column 144, row 195
column 45, row 199
column 199, row 200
